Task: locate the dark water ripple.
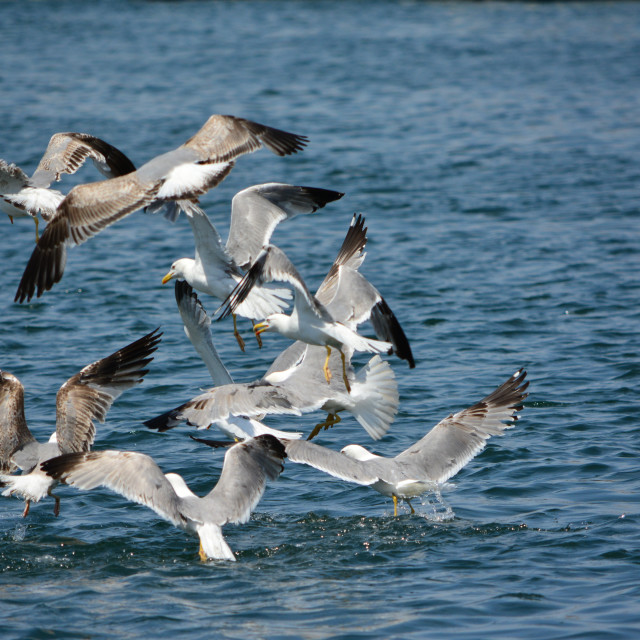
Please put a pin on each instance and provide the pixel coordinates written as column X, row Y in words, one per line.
column 494, row 148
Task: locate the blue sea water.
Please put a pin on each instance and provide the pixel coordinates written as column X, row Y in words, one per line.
column 495, row 151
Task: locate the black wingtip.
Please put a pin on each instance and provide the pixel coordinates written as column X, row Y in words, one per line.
column 388, row 328
column 215, row 444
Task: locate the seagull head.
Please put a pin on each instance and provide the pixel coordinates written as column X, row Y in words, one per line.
column 177, row 270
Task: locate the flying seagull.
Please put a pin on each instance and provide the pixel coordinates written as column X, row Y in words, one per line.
column 255, row 213
column 310, row 321
column 22, row 196
column 81, row 400
column 247, row 466
column 185, row 173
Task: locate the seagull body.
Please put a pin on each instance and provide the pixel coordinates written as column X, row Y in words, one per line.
column 310, row 321
column 136, row 476
column 255, row 213
column 435, row 458
column 84, row 398
column 22, row 196
column 198, row 165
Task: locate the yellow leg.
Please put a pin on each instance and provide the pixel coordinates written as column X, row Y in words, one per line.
column 344, row 372
column 258, row 338
column 37, row 224
column 202, row 554
column 332, row 419
column 327, row 373
column 25, row 513
column 395, row 506
column 236, row 333
column 410, row 506
column 11, row 218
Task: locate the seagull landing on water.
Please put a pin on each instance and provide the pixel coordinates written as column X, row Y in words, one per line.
column 84, row 398
column 22, row 196
column 185, row 173
column 310, row 321
column 247, row 467
column 435, row 458
column 255, row 213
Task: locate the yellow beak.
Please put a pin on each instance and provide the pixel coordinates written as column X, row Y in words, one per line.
column 167, row 278
column 259, row 328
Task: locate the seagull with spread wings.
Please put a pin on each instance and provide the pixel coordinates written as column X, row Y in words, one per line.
column 185, row 173
column 81, row 400
column 22, row 196
column 247, row 467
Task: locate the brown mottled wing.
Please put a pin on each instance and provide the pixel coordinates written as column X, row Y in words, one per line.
column 87, row 210
column 67, row 152
column 88, row 395
column 14, row 432
column 223, row 138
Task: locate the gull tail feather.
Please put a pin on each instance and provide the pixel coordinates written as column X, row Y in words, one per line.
column 213, row 543
column 375, row 394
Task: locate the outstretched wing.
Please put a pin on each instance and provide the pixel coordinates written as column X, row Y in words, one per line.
column 89, row 394
column 256, row 211
column 14, row 432
column 133, row 475
column 247, row 467
column 458, row 438
column 67, row 152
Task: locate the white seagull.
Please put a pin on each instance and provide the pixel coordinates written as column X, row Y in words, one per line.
column 185, row 173
column 310, row 321
column 247, row 466
column 22, row 196
column 81, row 400
column 255, row 213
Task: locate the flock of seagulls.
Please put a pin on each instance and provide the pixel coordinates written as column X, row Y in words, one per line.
column 250, row 278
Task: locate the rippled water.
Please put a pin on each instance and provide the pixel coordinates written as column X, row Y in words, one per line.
column 494, row 149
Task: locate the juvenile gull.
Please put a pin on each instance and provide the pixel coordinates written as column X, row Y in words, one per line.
column 255, row 213
column 84, row 398
column 247, row 466
column 198, row 165
column 435, row 458
column 22, row 196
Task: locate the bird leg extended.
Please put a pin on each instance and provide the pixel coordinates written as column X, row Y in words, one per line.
column 25, row 513
column 332, row 419
column 257, row 334
column 410, row 505
column 56, row 506
column 37, row 225
column 236, row 333
column 327, row 373
column 344, row 372
column 202, row 554
column 395, row 506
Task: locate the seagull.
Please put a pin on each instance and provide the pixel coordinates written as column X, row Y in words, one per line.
column 84, row 398
column 296, row 373
column 236, row 409
column 431, row 461
column 22, row 196
column 255, row 213
column 136, row 476
column 183, row 174
column 310, row 321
